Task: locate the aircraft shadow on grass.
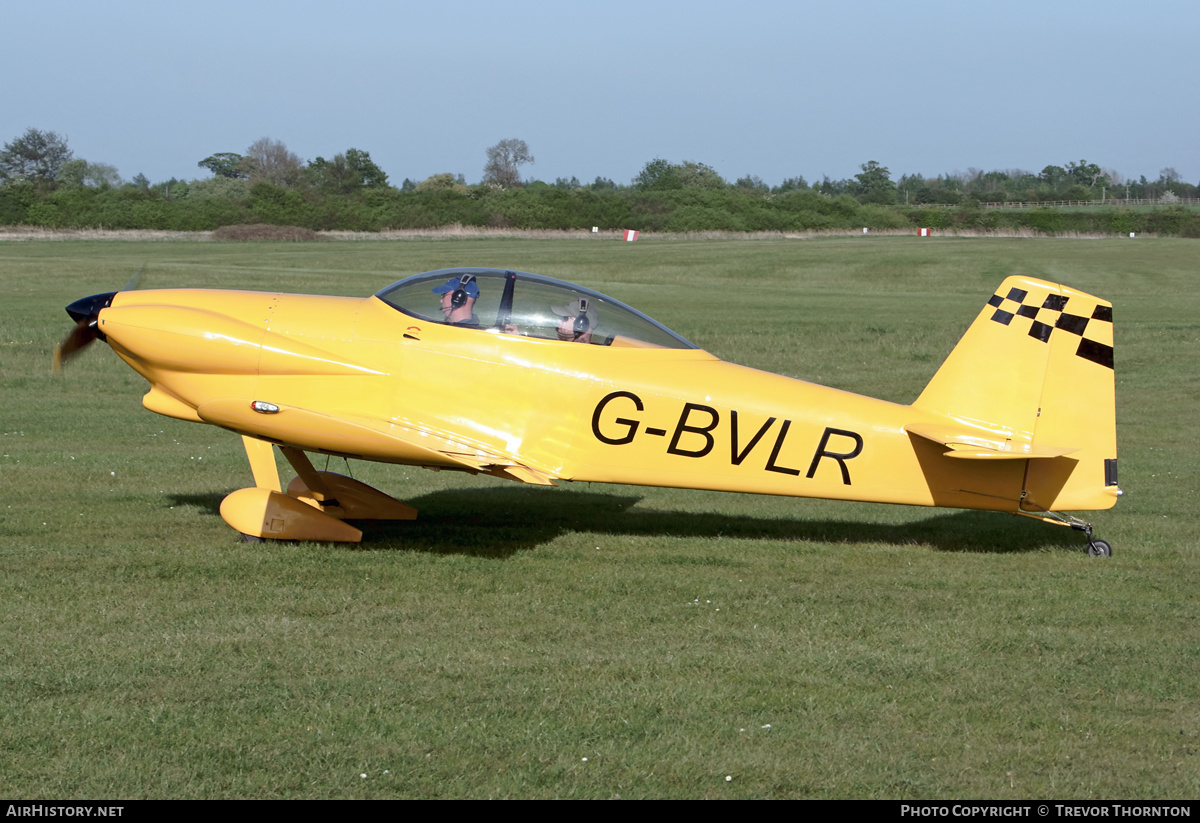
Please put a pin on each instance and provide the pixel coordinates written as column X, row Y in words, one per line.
column 500, row 522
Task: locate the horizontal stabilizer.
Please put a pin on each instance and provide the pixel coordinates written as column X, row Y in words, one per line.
column 974, row 446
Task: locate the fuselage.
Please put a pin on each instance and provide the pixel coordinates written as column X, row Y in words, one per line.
column 356, row 377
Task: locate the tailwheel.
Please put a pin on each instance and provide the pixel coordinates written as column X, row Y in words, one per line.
column 1095, row 547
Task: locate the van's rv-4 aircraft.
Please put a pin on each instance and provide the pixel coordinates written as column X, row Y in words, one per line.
column 537, row 380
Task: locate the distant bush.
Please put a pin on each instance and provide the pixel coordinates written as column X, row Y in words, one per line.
column 442, row 181
column 425, row 209
column 270, row 203
column 1048, row 221
column 699, row 218
column 205, row 214
column 15, row 200
column 844, row 205
column 929, row 218
column 1176, row 220
column 883, row 217
column 1124, row 221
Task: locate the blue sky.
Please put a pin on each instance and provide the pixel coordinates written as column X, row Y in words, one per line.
column 774, row 89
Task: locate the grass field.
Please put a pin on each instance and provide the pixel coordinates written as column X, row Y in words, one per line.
column 598, row 641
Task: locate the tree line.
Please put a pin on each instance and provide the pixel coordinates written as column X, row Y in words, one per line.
column 43, row 183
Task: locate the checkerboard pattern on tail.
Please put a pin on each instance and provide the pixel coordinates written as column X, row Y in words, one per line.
column 1053, row 315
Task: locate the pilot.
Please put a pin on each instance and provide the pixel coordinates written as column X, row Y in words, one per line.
column 458, row 300
column 576, row 320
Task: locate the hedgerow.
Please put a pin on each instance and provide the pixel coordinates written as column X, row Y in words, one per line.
column 209, row 204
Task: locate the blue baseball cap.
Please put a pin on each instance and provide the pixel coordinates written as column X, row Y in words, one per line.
column 466, row 283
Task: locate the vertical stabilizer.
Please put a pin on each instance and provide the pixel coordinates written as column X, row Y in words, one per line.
column 1034, row 373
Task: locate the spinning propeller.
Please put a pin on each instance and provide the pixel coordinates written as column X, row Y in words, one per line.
column 86, row 313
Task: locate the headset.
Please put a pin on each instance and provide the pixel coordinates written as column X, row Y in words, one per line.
column 582, row 324
column 459, row 297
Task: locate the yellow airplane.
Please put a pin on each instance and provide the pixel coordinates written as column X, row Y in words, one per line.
column 534, row 379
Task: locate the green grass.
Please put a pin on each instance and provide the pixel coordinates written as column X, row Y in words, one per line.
column 671, row 638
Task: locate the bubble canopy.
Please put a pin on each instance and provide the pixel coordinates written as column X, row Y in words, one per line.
column 531, row 305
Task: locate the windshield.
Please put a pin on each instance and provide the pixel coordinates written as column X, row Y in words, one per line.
column 531, row 305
